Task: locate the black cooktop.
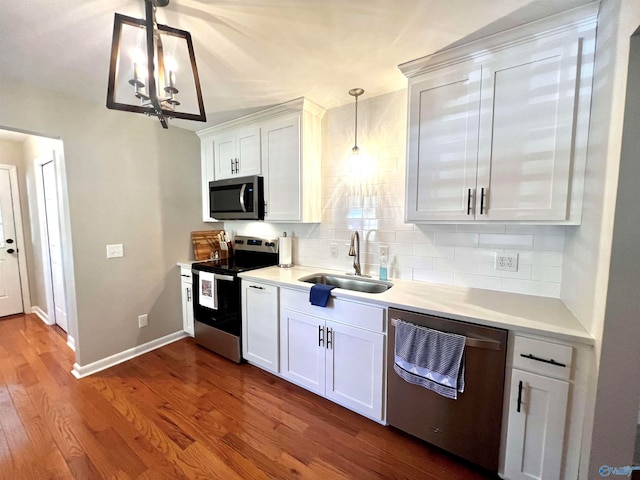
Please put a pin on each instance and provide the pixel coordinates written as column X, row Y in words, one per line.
column 249, row 253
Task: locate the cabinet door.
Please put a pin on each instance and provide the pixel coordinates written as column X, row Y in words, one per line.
column 302, row 350
column 355, row 368
column 260, row 325
column 528, row 99
column 281, row 158
column 535, row 434
column 443, row 144
column 187, row 301
column 248, row 152
column 224, row 153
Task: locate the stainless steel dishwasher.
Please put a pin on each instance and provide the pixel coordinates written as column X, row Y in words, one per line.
column 468, row 427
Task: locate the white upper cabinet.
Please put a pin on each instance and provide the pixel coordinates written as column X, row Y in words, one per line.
column 498, row 128
column 237, row 153
column 283, row 144
column 443, row 139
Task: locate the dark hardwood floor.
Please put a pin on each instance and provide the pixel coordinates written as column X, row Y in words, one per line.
column 182, row 412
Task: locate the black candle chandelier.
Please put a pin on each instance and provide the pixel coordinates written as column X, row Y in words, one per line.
column 153, row 69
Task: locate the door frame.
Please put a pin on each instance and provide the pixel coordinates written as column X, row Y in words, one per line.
column 17, row 219
column 56, row 154
column 49, row 318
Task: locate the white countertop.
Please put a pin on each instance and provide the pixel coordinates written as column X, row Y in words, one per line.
column 187, row 264
column 548, row 317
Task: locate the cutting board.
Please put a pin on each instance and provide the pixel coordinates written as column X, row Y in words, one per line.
column 206, row 242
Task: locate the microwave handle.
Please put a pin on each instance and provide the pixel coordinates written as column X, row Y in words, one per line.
column 242, row 205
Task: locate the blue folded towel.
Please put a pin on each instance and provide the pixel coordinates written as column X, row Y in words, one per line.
column 319, row 294
column 430, row 358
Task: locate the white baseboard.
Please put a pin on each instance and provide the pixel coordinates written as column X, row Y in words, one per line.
column 71, row 342
column 95, row 367
column 42, row 314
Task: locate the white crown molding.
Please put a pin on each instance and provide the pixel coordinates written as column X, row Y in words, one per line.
column 584, row 17
column 297, row 105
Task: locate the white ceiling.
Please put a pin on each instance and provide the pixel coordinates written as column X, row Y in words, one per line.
column 255, row 53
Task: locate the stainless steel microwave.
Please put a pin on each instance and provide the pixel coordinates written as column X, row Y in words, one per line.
column 239, row 198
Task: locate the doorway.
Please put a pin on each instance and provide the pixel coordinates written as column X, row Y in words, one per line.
column 52, row 247
column 13, row 285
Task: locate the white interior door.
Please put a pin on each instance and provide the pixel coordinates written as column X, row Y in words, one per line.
column 10, row 290
column 55, row 248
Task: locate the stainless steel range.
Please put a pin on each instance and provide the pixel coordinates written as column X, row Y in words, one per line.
column 217, row 294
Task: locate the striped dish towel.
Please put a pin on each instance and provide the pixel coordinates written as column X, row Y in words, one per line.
column 430, row 358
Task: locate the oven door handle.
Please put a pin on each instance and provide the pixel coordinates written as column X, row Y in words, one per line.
column 224, row 278
column 472, row 342
column 217, row 276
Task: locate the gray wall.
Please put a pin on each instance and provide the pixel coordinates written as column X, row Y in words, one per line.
column 131, row 182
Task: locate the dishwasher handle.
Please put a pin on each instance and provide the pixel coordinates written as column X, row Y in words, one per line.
column 471, row 342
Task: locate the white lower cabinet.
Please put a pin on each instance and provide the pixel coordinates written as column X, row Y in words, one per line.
column 342, row 362
column 187, row 300
column 537, row 410
column 260, row 324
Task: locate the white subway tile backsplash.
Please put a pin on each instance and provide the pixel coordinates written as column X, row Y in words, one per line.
column 481, row 228
column 542, row 258
column 488, row 268
column 549, row 243
column 507, row 240
column 468, row 254
column 432, row 276
column 451, row 265
column 462, row 254
column 546, row 274
column 457, row 239
column 409, row 261
column 434, row 251
column 415, row 237
column 477, row 281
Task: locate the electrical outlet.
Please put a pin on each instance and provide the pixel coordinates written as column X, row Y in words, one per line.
column 115, row 251
column 333, row 250
column 507, row 262
column 143, row 320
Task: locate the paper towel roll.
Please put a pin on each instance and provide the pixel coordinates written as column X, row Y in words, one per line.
column 285, row 252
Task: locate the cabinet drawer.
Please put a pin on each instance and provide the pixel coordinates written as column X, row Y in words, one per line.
column 185, row 274
column 546, row 358
column 351, row 313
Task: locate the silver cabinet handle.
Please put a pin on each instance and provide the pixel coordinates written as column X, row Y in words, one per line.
column 256, row 287
column 242, row 189
column 329, row 338
column 188, row 294
column 320, row 335
column 469, row 202
column 482, row 201
column 231, row 160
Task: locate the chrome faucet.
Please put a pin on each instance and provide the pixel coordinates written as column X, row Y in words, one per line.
column 355, row 252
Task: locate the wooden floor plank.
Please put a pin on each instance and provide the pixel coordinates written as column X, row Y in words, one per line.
column 182, row 412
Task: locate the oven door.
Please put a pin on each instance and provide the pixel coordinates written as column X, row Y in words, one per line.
column 219, row 329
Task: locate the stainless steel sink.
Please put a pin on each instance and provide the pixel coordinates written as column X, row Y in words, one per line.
column 348, row 282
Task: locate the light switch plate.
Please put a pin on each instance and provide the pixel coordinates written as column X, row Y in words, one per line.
column 115, row 251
